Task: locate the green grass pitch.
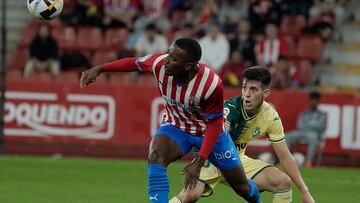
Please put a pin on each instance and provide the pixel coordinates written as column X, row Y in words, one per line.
column 78, row 180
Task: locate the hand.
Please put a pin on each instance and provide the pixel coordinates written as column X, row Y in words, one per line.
column 89, row 76
column 307, row 198
column 192, row 172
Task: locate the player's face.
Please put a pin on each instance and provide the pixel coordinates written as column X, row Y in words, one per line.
column 253, row 94
column 175, row 63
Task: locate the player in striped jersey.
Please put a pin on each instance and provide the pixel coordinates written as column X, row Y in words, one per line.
column 193, row 96
column 249, row 117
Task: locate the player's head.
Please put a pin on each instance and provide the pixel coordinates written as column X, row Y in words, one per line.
column 314, row 99
column 184, row 54
column 43, row 31
column 255, row 86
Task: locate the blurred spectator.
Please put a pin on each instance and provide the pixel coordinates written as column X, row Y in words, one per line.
column 150, row 42
column 43, row 53
column 244, row 42
column 187, row 31
column 85, row 12
column 231, row 72
column 327, row 16
column 72, row 60
column 231, row 11
column 262, row 12
column 215, row 48
column 271, row 47
column 154, row 11
column 310, row 128
column 284, row 74
column 120, row 13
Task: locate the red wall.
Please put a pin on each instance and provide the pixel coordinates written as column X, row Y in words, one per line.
column 110, row 120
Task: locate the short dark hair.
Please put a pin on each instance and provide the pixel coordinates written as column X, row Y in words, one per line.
column 315, row 95
column 191, row 47
column 258, row 73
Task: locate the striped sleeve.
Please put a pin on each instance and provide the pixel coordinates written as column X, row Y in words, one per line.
column 215, row 100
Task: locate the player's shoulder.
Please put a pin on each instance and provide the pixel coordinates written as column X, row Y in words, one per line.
column 152, row 57
column 234, row 102
column 269, row 111
column 210, row 74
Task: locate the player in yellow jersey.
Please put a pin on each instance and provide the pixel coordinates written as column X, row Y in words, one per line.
column 249, row 117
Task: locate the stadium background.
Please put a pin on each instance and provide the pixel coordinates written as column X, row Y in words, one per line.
column 115, row 117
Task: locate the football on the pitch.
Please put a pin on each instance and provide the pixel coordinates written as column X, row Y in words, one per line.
column 45, row 9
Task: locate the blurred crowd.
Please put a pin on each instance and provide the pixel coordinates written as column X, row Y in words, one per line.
column 284, row 35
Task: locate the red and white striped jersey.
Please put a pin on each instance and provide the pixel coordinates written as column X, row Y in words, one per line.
column 188, row 106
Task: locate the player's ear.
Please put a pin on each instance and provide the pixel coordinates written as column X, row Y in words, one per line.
column 189, row 65
column 266, row 92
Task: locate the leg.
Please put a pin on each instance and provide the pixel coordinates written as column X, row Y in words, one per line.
column 313, row 142
column 273, row 180
column 294, row 137
column 168, row 145
column 225, row 157
column 189, row 196
column 29, row 67
column 243, row 187
column 54, row 67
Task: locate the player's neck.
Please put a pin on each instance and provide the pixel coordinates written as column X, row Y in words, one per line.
column 187, row 76
column 254, row 111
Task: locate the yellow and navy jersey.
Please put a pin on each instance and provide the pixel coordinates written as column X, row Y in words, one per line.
column 243, row 129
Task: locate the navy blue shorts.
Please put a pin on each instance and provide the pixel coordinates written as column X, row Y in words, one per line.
column 224, row 154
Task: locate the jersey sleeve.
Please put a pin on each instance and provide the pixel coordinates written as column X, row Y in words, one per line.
column 275, row 133
column 215, row 102
column 145, row 63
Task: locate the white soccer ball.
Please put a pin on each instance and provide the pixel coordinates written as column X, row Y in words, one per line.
column 45, row 9
column 267, row 157
column 299, row 159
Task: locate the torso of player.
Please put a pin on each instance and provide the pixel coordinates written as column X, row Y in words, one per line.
column 244, row 129
column 184, row 103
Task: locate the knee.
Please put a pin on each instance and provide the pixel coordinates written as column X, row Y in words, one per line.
column 155, row 156
column 283, row 183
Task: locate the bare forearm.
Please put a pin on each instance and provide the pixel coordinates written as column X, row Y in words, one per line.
column 292, row 170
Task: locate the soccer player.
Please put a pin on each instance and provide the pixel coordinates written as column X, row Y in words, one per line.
column 248, row 117
column 193, row 96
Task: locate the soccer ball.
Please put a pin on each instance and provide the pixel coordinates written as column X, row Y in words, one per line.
column 45, row 9
column 299, row 159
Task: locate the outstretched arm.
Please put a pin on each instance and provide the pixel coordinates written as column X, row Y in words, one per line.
column 288, row 163
column 122, row 65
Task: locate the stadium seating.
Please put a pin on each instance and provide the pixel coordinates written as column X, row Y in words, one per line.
column 89, row 38
column 121, row 78
column 68, row 77
column 115, row 39
column 103, row 56
column 14, row 75
column 305, row 72
column 39, row 77
column 66, row 37
column 291, row 45
column 310, row 47
column 292, row 25
column 146, row 79
column 18, row 58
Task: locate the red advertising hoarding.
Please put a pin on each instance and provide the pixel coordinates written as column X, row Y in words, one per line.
column 118, row 120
